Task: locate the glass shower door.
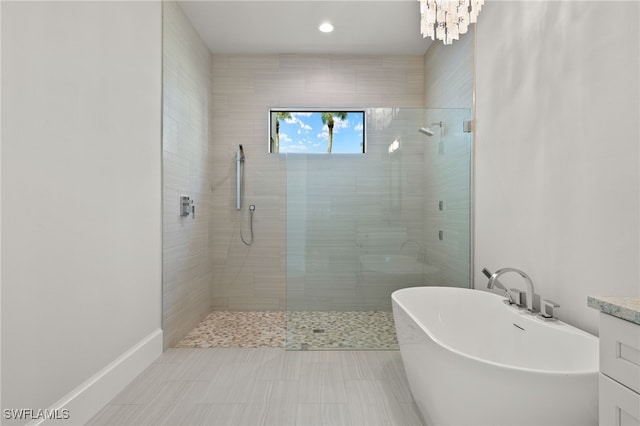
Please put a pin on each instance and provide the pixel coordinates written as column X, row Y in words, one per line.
column 360, row 226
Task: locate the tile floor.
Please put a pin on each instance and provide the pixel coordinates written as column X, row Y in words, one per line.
column 309, row 330
column 315, row 330
column 266, row 386
column 236, row 329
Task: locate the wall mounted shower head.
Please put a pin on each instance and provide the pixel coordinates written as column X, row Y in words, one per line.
column 426, row 131
column 240, row 153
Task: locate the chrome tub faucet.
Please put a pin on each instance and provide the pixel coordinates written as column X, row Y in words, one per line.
column 523, row 298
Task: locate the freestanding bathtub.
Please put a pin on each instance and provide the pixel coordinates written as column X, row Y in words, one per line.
column 472, row 360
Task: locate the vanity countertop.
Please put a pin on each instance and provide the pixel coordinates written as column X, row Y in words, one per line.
column 627, row 308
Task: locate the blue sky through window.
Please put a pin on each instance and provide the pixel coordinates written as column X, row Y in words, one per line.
column 305, row 133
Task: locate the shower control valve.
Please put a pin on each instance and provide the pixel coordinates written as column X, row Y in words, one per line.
column 186, row 206
column 252, row 207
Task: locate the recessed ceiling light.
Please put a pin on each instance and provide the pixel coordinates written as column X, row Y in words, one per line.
column 326, row 27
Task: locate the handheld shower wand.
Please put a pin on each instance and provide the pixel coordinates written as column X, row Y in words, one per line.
column 239, row 191
column 239, row 161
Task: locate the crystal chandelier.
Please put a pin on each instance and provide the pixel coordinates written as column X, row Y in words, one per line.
column 446, row 19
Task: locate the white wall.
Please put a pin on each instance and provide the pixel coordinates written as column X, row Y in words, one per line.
column 187, row 270
column 1, row 274
column 557, row 161
column 81, row 224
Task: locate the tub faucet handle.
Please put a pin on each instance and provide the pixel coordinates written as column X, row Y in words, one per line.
column 546, row 309
column 520, row 297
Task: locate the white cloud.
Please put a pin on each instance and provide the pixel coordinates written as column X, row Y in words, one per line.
column 337, row 125
column 297, row 148
column 340, row 124
column 295, row 119
column 285, row 138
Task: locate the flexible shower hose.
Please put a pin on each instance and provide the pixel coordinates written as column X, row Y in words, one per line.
column 252, row 208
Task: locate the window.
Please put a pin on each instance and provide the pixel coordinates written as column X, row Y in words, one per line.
column 317, row 131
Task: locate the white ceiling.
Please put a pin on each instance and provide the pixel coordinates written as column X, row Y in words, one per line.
column 361, row 27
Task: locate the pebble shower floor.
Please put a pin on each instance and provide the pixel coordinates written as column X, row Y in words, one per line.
column 305, row 330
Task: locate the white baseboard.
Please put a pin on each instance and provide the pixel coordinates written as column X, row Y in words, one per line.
column 82, row 403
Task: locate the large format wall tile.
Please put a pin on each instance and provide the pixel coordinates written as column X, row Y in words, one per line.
column 186, row 247
column 244, row 87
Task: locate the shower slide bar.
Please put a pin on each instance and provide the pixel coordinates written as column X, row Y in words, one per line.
column 239, row 162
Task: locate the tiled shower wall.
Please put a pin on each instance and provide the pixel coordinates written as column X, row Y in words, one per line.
column 346, row 214
column 244, row 88
column 187, row 268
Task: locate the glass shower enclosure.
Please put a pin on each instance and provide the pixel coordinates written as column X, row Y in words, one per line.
column 360, row 226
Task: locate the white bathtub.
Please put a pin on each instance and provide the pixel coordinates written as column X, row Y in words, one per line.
column 472, row 360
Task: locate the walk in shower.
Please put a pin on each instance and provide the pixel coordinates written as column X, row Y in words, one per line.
column 360, row 226
column 333, row 234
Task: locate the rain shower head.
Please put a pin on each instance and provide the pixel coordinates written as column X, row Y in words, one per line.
column 426, row 131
